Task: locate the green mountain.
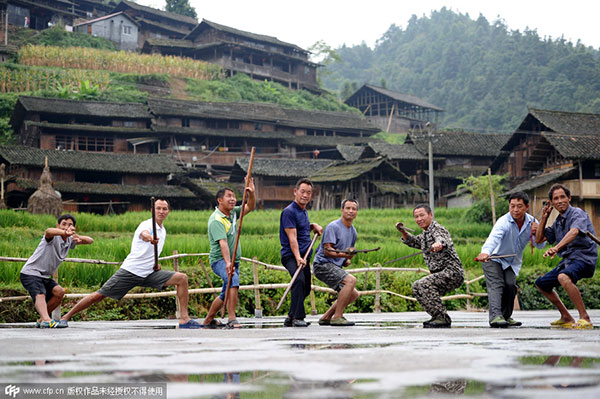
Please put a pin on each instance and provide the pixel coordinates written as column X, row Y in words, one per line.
column 482, row 74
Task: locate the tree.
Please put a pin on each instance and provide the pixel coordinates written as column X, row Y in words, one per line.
column 181, row 7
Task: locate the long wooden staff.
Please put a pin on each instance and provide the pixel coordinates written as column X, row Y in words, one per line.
column 152, row 200
column 239, row 226
column 289, row 287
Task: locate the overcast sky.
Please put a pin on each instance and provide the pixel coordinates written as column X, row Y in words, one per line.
column 352, row 21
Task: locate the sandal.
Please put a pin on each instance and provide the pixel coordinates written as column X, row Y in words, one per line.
column 233, row 324
column 583, row 324
column 193, row 324
column 214, row 324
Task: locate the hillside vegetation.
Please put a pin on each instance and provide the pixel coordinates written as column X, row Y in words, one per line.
column 482, row 74
column 20, row 234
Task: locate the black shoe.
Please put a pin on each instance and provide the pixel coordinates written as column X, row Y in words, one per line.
column 428, row 321
column 437, row 323
column 287, row 322
column 299, row 323
column 498, row 322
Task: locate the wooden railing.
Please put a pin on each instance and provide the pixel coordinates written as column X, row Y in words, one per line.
column 257, row 286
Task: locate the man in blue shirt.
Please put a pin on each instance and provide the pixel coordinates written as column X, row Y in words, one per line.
column 339, row 234
column 294, row 236
column 579, row 255
column 510, row 235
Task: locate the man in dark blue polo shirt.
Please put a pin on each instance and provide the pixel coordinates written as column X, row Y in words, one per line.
column 579, row 254
column 294, row 235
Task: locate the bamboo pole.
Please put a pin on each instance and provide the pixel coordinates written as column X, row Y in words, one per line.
column 257, row 304
column 313, row 301
column 377, row 290
column 492, row 199
column 176, row 269
column 468, row 292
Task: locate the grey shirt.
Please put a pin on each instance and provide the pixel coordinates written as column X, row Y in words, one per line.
column 48, row 256
column 340, row 236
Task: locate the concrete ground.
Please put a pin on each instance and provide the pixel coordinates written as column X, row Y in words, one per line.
column 386, row 355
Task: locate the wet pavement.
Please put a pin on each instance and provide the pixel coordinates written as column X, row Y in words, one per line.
column 386, row 355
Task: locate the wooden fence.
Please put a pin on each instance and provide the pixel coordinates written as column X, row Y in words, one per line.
column 257, row 286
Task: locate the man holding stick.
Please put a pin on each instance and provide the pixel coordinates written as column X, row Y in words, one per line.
column 441, row 259
column 139, row 270
column 328, row 265
column 510, row 235
column 222, row 230
column 571, row 232
column 294, row 236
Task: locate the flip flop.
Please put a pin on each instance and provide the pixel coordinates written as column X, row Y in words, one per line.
column 233, row 324
column 214, row 323
column 192, row 324
column 583, row 324
column 561, row 323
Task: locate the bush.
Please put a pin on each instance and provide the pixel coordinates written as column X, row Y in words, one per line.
column 481, row 211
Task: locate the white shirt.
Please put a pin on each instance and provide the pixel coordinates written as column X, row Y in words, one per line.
column 140, row 260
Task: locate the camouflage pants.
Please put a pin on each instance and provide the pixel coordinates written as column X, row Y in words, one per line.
column 429, row 289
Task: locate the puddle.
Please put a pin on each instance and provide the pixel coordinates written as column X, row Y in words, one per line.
column 561, row 361
column 337, row 346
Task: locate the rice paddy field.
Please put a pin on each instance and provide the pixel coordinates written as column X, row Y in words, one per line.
column 21, row 232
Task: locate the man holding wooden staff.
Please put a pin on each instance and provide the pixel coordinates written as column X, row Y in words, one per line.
column 572, row 231
column 222, row 230
column 510, row 235
column 140, row 270
column 328, row 265
column 441, row 259
column 294, row 236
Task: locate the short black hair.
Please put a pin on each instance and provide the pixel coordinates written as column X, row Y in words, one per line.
column 304, row 180
column 519, row 195
column 349, row 200
column 424, row 206
column 67, row 216
column 163, row 199
column 221, row 193
column 558, row 186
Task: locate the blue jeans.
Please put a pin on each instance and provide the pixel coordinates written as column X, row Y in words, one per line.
column 219, row 268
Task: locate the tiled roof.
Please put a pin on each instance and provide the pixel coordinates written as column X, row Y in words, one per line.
column 398, row 188
column 344, row 171
column 350, row 152
column 90, row 161
column 79, row 107
column 151, row 41
column 327, row 141
column 138, row 190
column 458, row 172
column 573, row 146
column 568, row 122
column 541, row 180
column 280, row 167
column 194, row 131
column 124, row 4
column 262, row 112
column 398, row 151
column 407, row 98
column 460, row 143
column 249, row 35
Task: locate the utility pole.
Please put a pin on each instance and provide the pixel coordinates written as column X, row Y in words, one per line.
column 430, row 155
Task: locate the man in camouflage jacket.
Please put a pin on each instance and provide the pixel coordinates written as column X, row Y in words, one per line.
column 441, row 259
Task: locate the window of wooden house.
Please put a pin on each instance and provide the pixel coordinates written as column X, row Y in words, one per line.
column 64, row 142
column 126, row 30
column 97, row 177
column 129, row 123
column 258, row 126
column 185, row 122
column 95, row 144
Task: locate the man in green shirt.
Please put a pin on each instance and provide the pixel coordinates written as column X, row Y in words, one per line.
column 222, row 230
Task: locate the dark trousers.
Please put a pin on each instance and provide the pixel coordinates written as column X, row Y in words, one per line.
column 300, row 289
column 501, row 289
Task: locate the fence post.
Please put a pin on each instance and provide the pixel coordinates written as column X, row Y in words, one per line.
column 313, row 303
column 468, row 291
column 176, row 268
column 257, row 305
column 377, row 287
column 56, row 313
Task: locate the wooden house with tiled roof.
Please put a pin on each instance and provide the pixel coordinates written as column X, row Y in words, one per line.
column 51, row 123
column 275, row 178
column 375, row 183
column 465, row 154
column 155, row 23
column 89, row 178
column 392, row 111
column 39, row 14
column 555, row 146
column 90, row 9
column 236, row 51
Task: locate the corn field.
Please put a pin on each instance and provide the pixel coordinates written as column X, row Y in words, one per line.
column 121, row 61
column 31, row 79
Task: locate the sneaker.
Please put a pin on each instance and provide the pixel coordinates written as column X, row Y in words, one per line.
column 62, row 323
column 324, row 322
column 428, row 321
column 299, row 323
column 287, row 322
column 49, row 324
column 513, row 323
column 341, row 322
column 498, row 322
column 437, row 323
